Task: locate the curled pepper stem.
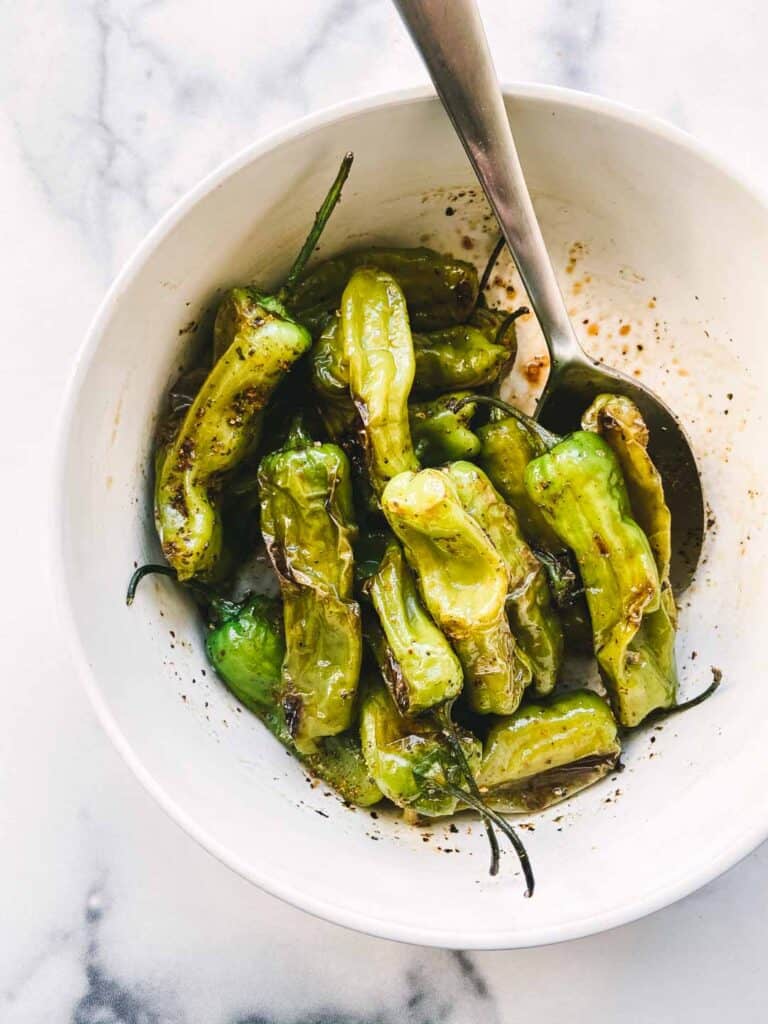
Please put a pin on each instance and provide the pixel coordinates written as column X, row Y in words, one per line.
column 662, row 713
column 321, row 219
column 503, row 825
column 156, row 569
column 448, row 729
column 506, row 325
column 547, row 438
column 492, row 261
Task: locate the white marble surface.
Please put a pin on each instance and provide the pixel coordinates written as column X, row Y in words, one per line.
column 111, row 109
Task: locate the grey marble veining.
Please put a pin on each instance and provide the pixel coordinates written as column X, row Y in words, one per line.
column 112, row 109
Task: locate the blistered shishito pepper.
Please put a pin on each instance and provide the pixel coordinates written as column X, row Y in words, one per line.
column 579, row 487
column 410, row 759
column 463, row 581
column 618, row 420
column 439, row 290
column 468, row 355
column 308, row 526
column 545, row 753
column 217, row 431
column 256, row 343
column 379, row 351
column 246, row 647
column 417, row 662
column 330, row 379
column 535, row 624
column 441, row 431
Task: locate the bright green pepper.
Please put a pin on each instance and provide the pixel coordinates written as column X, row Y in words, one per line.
column 418, row 663
column 439, row 290
column 440, row 432
column 545, row 753
column 410, row 758
column 579, row 487
column 246, row 648
column 463, row 582
column 379, row 351
column 619, row 422
column 308, row 526
column 463, row 356
column 330, row 379
column 534, row 622
column 218, row 430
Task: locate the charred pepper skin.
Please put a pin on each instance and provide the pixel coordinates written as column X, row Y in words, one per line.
column 463, row 582
column 545, row 753
column 409, row 758
column 440, row 290
column 379, row 351
column 246, row 648
column 441, row 432
column 308, row 526
column 579, row 487
column 418, row 664
column 220, row 428
column 468, row 355
column 535, row 624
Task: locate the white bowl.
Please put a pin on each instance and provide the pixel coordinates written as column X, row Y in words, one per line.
column 672, row 244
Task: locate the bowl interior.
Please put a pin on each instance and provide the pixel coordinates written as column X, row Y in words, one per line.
column 660, row 254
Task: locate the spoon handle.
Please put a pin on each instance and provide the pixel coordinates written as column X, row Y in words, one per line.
column 449, row 35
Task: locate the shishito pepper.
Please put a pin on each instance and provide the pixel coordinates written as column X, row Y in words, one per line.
column 463, row 582
column 217, row 431
column 417, row 662
column 619, row 422
column 308, row 526
column 440, row 429
column 579, row 487
column 534, row 622
column 439, row 290
column 409, row 758
column 330, row 379
column 468, row 355
column 246, row 647
column 545, row 753
column 379, row 351
column 256, row 343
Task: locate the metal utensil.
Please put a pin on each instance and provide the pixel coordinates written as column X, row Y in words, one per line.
column 449, row 35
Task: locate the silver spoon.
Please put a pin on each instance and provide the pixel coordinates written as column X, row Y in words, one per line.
column 450, row 37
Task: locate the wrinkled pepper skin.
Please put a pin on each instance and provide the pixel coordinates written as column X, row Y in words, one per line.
column 419, row 665
column 219, row 429
column 408, row 757
column 545, row 753
column 330, row 379
column 308, row 526
column 246, row 648
column 463, row 582
column 439, row 290
column 535, row 624
column 379, row 351
column 619, row 422
column 442, row 434
column 579, row 487
column 457, row 357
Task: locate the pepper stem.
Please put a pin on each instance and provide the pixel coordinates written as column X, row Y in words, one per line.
column 155, row 569
column 321, row 219
column 717, row 677
column 546, row 437
column 492, row 261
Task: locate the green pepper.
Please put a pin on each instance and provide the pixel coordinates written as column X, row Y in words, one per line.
column 246, row 648
column 545, row 753
column 534, row 622
column 256, row 342
column 218, row 430
column 308, row 526
column 619, row 422
column 579, row 487
column 463, row 582
column 330, row 379
column 463, row 356
column 440, row 432
column 379, row 351
column 417, row 661
column 439, row 290
column 409, row 758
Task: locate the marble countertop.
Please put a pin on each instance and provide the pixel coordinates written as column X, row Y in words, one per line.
column 111, row 109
